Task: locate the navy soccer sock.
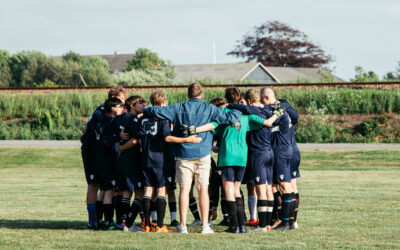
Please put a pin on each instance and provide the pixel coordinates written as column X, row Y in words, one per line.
column 296, row 205
column 193, row 208
column 136, row 207
column 286, row 206
column 108, row 214
column 146, row 209
column 99, row 211
column 125, row 204
column 91, row 208
column 240, row 211
column 161, row 205
column 262, row 208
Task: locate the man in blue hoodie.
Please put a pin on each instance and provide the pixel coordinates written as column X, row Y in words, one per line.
column 193, row 160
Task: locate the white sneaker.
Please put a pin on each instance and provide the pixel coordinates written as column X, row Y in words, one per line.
column 196, row 223
column 206, row 230
column 134, row 228
column 296, row 226
column 181, row 229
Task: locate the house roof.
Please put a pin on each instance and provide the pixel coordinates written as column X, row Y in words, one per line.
column 117, row 62
column 239, row 71
column 217, row 72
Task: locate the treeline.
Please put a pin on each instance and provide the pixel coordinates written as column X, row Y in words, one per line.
column 61, row 115
column 35, row 69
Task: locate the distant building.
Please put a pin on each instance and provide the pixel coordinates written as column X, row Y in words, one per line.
column 229, row 72
column 250, row 72
column 117, row 62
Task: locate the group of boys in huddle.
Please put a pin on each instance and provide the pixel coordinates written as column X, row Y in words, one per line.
column 128, row 148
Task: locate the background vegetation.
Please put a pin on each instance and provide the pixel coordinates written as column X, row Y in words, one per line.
column 324, row 113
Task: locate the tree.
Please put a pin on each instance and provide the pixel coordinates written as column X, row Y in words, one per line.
column 5, row 71
column 147, row 61
column 277, row 44
column 393, row 76
column 363, row 76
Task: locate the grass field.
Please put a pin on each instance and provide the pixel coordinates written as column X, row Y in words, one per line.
column 348, row 200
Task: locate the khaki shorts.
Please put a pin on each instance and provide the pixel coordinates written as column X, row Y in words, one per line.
column 197, row 168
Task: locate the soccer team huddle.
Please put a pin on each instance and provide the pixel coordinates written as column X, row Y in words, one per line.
column 129, row 149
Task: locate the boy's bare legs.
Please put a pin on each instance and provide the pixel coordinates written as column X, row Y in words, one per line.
column 184, row 202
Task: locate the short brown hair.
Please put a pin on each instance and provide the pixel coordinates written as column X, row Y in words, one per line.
column 116, row 91
column 195, row 90
column 252, row 95
column 232, row 95
column 218, row 101
column 157, row 98
column 132, row 101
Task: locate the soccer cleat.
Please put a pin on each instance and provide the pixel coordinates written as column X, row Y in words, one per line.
column 92, row 226
column 181, row 229
column 283, row 226
column 276, row 223
column 261, row 229
column 196, row 223
column 134, row 228
column 234, row 230
column 224, row 222
column 122, row 227
column 174, row 223
column 242, row 229
column 207, row 230
column 252, row 223
column 148, row 229
column 163, row 229
column 296, row 226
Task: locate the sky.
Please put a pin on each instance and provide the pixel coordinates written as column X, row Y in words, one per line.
column 354, row 32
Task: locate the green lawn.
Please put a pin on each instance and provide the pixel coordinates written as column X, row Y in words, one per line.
column 348, row 200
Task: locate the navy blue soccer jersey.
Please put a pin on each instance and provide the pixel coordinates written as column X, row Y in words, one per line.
column 98, row 115
column 152, row 135
column 294, row 118
column 281, row 140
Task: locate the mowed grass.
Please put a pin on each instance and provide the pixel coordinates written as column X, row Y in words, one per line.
column 348, row 200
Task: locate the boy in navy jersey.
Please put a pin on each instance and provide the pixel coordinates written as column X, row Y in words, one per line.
column 106, row 157
column 260, row 159
column 283, row 154
column 89, row 156
column 157, row 160
column 295, row 162
column 128, row 167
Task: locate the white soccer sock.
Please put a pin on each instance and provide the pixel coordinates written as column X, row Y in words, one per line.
column 173, row 216
column 252, row 203
column 154, row 215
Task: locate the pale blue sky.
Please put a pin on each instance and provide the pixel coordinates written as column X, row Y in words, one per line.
column 355, row 32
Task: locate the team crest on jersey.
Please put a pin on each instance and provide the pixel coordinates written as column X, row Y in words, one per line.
column 294, row 173
column 135, row 119
column 257, row 179
column 139, row 184
column 113, row 182
column 91, row 177
column 281, row 176
column 170, row 179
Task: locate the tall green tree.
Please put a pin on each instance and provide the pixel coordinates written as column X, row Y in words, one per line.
column 364, row 76
column 5, row 71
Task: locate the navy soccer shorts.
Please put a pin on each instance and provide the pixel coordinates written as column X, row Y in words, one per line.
column 133, row 178
column 294, row 165
column 89, row 164
column 233, row 173
column 282, row 170
column 262, row 165
column 169, row 175
column 154, row 177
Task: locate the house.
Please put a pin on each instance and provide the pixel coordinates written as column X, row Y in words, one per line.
column 117, row 62
column 247, row 72
column 254, row 72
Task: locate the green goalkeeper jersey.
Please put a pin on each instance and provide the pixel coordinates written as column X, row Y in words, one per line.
column 233, row 148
